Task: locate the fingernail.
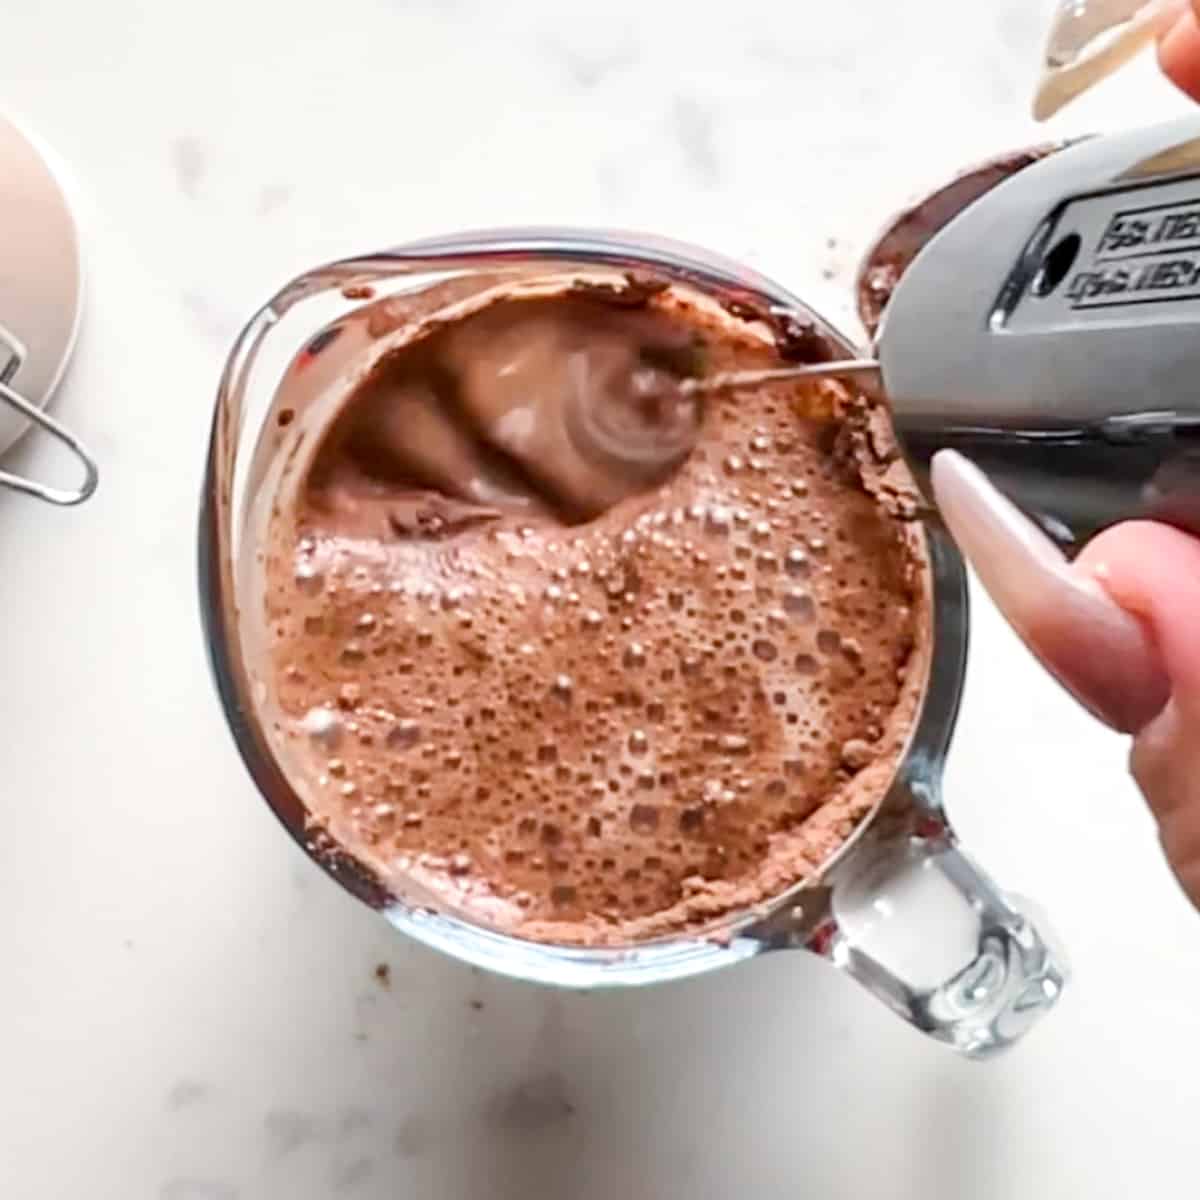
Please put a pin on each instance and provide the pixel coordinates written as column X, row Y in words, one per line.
column 1100, row 653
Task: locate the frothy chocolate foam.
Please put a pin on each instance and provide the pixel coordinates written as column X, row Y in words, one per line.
column 593, row 668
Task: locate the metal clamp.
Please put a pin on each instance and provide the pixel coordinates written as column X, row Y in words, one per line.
column 10, row 396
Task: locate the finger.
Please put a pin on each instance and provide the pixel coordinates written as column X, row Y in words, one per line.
column 1102, row 654
column 1165, row 762
column 1153, row 571
column 1158, row 760
column 1179, row 52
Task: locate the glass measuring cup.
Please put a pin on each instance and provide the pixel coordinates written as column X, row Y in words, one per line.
column 900, row 907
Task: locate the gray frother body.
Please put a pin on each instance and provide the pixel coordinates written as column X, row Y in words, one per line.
column 1051, row 332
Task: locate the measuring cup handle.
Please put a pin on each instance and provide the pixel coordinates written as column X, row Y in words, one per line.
column 918, row 924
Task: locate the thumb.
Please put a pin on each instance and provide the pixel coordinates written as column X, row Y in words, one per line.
column 1153, row 571
column 1106, row 656
column 1179, row 49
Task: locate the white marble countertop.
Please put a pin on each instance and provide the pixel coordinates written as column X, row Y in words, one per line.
column 190, row 1009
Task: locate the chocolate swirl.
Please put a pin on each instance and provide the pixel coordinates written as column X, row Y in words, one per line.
column 591, row 664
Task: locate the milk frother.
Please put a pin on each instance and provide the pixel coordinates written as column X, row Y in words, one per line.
column 1042, row 314
column 1050, row 331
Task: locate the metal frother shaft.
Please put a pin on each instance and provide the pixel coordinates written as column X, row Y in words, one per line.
column 730, row 380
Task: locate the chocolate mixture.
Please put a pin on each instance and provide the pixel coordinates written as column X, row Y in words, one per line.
column 590, row 661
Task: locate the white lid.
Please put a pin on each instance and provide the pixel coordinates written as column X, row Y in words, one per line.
column 40, row 298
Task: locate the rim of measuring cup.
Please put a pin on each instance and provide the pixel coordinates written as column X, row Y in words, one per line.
column 671, row 957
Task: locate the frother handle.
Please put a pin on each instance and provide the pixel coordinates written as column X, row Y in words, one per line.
column 918, row 924
column 1051, row 332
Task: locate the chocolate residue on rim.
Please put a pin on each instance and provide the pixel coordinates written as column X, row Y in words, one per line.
column 796, row 338
column 909, row 232
column 632, row 291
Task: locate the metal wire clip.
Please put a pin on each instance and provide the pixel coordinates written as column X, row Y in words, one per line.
column 13, row 398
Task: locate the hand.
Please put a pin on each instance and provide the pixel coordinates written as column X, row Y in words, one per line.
column 1119, row 627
